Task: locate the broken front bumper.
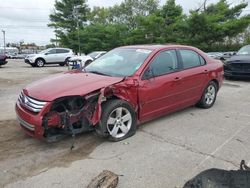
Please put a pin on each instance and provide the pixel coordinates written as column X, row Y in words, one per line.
column 31, row 122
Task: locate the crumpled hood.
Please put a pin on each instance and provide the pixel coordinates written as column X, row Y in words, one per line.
column 239, row 58
column 68, row 84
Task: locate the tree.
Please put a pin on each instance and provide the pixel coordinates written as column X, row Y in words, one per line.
column 63, row 17
column 213, row 24
column 173, row 17
column 68, row 15
column 129, row 10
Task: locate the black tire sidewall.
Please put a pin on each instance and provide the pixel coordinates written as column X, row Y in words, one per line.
column 108, row 107
column 203, row 103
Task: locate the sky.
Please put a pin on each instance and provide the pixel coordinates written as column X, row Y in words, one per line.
column 27, row 19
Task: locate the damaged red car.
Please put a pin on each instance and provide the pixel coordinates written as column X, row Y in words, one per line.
column 120, row 90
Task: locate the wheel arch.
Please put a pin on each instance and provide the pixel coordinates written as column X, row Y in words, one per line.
column 216, row 82
column 41, row 59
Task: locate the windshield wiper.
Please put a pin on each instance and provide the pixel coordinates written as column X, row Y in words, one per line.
column 100, row 73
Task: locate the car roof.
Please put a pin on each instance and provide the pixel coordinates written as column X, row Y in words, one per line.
column 158, row 47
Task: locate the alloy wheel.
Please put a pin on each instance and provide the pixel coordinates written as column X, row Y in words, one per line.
column 210, row 95
column 40, row 63
column 119, row 122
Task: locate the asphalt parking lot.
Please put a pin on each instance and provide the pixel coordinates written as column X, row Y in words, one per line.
column 164, row 153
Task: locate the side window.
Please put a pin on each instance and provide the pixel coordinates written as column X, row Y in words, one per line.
column 202, row 60
column 164, row 63
column 191, row 59
column 53, row 51
column 61, row 51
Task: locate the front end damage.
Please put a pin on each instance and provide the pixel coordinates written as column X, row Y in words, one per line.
column 70, row 116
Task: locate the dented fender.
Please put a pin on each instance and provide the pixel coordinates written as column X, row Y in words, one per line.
column 126, row 91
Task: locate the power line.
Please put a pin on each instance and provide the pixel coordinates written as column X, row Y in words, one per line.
column 26, row 8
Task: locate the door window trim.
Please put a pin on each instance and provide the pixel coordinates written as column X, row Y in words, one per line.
column 181, row 60
column 154, row 57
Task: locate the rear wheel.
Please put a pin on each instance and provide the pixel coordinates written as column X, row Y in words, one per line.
column 209, row 96
column 39, row 62
column 118, row 121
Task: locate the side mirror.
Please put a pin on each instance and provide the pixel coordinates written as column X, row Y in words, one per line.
column 148, row 74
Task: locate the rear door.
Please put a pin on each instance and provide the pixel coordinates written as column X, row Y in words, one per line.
column 194, row 76
column 62, row 54
column 160, row 86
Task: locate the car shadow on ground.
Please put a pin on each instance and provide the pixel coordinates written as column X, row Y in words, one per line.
column 24, row 156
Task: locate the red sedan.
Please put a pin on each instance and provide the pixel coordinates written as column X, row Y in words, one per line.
column 120, row 90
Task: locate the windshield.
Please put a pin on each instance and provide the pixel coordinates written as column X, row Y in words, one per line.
column 44, row 51
column 119, row 62
column 93, row 55
column 244, row 50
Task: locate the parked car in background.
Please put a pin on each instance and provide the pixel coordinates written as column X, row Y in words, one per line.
column 239, row 64
column 50, row 56
column 227, row 55
column 3, row 60
column 96, row 54
column 19, row 56
column 216, row 55
column 116, row 92
column 77, row 62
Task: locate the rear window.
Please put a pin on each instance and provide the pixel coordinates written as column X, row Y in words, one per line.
column 191, row 59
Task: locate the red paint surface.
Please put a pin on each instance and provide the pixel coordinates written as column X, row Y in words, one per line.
column 149, row 98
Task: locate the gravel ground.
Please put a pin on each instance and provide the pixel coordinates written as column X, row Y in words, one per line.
column 164, row 153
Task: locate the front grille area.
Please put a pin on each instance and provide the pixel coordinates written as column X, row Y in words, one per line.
column 244, row 67
column 31, row 104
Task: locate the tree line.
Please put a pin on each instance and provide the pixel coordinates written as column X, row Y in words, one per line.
column 212, row 27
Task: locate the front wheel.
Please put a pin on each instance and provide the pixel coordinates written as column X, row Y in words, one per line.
column 118, row 121
column 209, row 96
column 39, row 62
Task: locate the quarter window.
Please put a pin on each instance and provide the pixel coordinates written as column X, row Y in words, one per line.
column 191, row 59
column 166, row 62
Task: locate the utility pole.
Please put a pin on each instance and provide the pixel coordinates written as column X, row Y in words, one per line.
column 4, row 46
column 76, row 16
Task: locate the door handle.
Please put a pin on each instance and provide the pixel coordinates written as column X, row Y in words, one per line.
column 177, row 79
column 205, row 71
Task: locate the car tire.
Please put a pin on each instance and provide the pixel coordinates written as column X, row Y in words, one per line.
column 39, row 62
column 66, row 62
column 118, row 120
column 87, row 63
column 209, row 96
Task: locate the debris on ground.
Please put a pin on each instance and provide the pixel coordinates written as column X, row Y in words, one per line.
column 105, row 179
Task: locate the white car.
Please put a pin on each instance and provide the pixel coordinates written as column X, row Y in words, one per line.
column 96, row 54
column 78, row 62
column 50, row 56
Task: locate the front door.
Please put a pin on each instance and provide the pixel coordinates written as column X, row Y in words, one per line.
column 51, row 56
column 160, row 86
